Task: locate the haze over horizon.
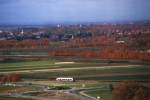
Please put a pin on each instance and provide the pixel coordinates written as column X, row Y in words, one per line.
column 72, row 11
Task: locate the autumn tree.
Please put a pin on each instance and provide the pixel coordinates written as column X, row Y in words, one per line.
column 131, row 90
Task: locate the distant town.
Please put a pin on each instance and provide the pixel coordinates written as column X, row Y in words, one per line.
column 134, row 38
column 56, row 33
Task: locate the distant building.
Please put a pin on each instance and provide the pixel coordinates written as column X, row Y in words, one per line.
column 1, row 31
column 22, row 32
column 58, row 26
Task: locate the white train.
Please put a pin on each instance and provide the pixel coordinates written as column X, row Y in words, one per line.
column 65, row 79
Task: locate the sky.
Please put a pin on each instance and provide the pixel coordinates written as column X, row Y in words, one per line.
column 72, row 11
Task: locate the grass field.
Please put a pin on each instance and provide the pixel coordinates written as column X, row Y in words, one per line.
column 13, row 98
column 11, row 53
column 140, row 72
column 47, row 64
column 91, row 73
column 137, row 73
column 103, row 94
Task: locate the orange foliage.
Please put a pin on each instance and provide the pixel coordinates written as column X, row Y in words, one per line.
column 130, row 90
column 10, row 78
column 25, row 44
column 115, row 53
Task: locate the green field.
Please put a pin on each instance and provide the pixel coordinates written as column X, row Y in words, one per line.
column 138, row 73
column 26, row 65
column 14, row 53
column 46, row 64
column 103, row 94
column 13, row 98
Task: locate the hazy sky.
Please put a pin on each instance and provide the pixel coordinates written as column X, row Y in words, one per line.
column 65, row 11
